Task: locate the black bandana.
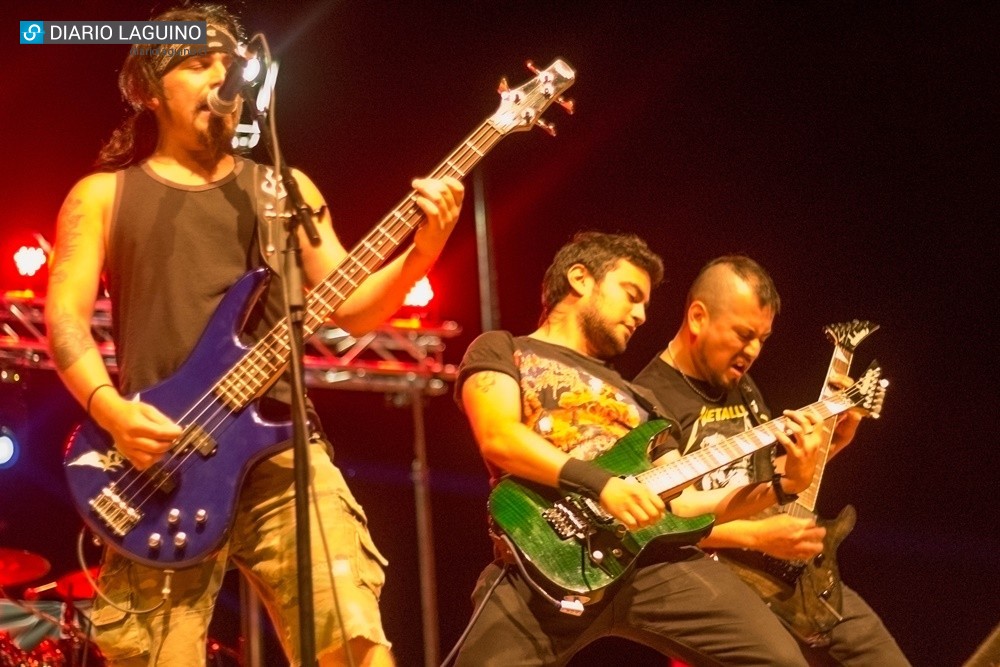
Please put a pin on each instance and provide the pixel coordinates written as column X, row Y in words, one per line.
column 169, row 56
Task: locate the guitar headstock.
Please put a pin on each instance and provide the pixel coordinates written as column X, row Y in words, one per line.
column 868, row 393
column 849, row 335
column 521, row 108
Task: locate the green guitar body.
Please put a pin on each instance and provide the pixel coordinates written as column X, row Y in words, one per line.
column 569, row 540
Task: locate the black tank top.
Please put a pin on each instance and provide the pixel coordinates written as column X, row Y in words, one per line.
column 173, row 252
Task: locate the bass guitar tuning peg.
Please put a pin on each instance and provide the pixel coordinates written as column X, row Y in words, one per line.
column 547, row 126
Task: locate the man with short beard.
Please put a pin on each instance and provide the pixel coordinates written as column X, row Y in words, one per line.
column 171, row 221
column 542, row 407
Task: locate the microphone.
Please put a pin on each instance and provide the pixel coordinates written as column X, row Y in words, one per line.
column 222, row 100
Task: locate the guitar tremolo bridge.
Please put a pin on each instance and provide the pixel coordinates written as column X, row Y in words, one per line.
column 567, row 518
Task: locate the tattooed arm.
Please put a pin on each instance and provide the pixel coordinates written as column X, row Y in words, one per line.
column 492, row 402
column 74, row 279
column 139, row 430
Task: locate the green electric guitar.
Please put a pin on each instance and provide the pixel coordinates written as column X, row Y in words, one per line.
column 571, row 543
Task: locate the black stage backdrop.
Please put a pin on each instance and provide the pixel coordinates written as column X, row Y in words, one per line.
column 847, row 147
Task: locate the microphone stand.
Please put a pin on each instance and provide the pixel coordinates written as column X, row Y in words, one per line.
column 300, row 215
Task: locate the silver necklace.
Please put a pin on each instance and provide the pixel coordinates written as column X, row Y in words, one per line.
column 691, row 384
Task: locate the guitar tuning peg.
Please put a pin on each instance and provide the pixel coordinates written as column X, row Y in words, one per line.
column 547, row 126
column 568, row 105
column 543, row 75
column 503, row 87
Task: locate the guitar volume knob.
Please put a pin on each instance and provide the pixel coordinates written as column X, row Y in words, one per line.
column 200, row 517
column 180, row 540
column 174, row 516
column 154, row 541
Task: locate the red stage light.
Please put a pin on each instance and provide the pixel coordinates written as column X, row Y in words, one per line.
column 420, row 294
column 24, row 263
column 29, row 260
column 416, row 308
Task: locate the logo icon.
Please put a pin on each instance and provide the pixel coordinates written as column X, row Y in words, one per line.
column 32, row 32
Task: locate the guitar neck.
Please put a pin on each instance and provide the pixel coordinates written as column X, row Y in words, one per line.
column 839, row 363
column 373, row 251
column 673, row 476
column 269, row 357
column 520, row 109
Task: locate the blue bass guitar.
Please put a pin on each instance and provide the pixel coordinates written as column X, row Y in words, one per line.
column 180, row 511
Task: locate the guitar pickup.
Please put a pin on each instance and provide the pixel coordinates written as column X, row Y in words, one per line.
column 198, row 439
column 160, row 477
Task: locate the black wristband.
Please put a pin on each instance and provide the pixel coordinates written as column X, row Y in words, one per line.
column 90, row 399
column 583, row 477
column 783, row 497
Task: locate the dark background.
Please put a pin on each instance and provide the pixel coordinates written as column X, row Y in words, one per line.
column 847, row 147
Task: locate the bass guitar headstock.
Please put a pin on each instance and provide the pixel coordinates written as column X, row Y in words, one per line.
column 521, row 108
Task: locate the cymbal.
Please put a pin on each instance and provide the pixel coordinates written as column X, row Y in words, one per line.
column 72, row 586
column 19, row 567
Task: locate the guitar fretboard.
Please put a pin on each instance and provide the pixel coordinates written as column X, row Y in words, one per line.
column 692, row 466
column 840, row 363
column 262, row 365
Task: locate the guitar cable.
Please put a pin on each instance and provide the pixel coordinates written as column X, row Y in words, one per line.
column 512, row 551
column 164, row 592
column 314, row 502
column 475, row 615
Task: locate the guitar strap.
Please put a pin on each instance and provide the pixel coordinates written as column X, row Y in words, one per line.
column 270, row 202
column 763, row 467
column 270, row 199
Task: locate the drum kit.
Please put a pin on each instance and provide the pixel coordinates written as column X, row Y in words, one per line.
column 55, row 610
column 66, row 644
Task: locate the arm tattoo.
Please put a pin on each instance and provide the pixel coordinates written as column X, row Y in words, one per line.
column 484, row 381
column 69, row 340
column 68, row 239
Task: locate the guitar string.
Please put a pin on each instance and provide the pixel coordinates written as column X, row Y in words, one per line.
column 840, row 363
column 398, row 222
column 441, row 170
column 733, row 446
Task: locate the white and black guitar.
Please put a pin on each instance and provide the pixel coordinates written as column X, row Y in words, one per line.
column 808, row 595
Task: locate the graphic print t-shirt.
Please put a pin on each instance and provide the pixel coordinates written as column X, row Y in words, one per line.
column 704, row 422
column 577, row 403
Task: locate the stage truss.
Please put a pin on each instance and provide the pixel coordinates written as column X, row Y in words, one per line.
column 401, row 357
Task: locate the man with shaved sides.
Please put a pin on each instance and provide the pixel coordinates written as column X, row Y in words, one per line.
column 701, row 377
